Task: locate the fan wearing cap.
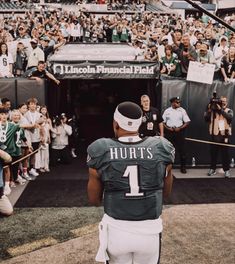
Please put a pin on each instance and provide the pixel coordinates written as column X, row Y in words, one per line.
column 35, row 55
column 205, row 55
column 131, row 174
column 175, row 120
column 49, row 49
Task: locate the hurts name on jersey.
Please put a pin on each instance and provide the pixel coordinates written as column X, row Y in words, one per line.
column 130, row 153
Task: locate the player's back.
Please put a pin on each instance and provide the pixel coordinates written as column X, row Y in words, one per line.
column 133, row 174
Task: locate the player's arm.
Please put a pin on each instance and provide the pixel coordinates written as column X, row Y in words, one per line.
column 94, row 188
column 161, row 129
column 168, row 181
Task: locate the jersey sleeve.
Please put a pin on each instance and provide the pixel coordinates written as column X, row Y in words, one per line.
column 96, row 152
column 166, row 151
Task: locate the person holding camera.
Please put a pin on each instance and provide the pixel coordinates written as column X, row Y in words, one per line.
column 219, row 117
column 60, row 140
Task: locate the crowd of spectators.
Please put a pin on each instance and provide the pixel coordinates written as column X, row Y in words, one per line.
column 174, row 42
column 29, row 128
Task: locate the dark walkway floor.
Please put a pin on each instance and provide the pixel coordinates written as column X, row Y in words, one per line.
column 65, row 186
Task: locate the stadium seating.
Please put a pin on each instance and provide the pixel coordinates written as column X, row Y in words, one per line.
column 10, row 6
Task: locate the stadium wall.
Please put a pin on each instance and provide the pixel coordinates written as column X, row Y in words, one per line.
column 195, row 97
column 18, row 90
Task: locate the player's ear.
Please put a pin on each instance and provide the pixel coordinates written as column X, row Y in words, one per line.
column 115, row 125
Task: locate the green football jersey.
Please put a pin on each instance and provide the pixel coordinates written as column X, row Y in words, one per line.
column 132, row 174
column 10, row 143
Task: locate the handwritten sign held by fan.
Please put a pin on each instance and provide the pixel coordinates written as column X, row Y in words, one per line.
column 202, row 73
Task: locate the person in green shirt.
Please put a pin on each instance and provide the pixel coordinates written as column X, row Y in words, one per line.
column 115, row 33
column 8, row 141
column 170, row 63
column 124, row 31
column 19, row 138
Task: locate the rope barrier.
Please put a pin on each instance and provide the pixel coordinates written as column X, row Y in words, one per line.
column 210, row 142
column 23, row 158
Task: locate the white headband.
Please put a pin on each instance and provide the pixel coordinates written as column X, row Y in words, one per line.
column 126, row 123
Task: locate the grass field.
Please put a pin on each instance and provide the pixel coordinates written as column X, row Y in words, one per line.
column 30, row 229
column 193, row 234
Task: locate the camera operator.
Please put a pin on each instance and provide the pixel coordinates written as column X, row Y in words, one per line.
column 219, row 117
column 60, row 140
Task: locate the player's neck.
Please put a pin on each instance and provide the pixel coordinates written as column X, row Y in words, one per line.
column 124, row 133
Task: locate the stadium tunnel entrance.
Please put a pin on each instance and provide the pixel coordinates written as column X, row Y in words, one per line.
column 94, row 79
column 94, row 101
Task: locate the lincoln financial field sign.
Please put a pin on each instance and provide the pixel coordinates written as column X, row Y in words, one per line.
column 105, row 70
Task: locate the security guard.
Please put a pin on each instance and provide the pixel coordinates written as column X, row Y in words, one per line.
column 152, row 122
column 175, row 120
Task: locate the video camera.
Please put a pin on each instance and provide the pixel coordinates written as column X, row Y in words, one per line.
column 56, row 121
column 214, row 102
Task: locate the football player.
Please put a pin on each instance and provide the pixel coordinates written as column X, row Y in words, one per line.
column 131, row 174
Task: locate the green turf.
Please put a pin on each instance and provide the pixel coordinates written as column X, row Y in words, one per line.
column 30, row 224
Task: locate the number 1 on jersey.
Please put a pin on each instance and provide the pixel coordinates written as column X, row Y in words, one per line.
column 132, row 173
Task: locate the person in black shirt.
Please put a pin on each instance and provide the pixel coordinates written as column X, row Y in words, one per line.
column 152, row 122
column 41, row 73
column 228, row 65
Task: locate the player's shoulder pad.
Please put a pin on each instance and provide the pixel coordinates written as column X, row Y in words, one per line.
column 99, row 147
column 156, row 139
column 164, row 146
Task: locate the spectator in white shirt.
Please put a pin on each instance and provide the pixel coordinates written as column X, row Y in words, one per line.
column 221, row 50
column 205, row 55
column 6, row 62
column 60, row 141
column 34, row 118
column 75, row 31
column 35, row 56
